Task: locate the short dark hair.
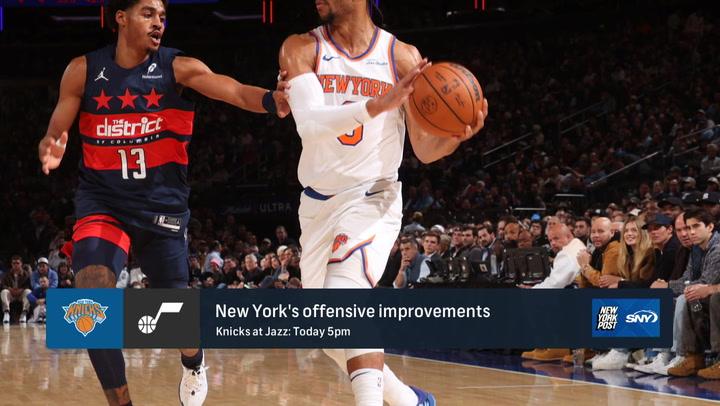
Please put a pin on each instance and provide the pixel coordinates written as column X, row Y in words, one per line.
column 114, row 6
column 490, row 229
column 700, row 215
column 409, row 239
column 16, row 258
column 469, row 227
column 432, row 234
column 585, row 220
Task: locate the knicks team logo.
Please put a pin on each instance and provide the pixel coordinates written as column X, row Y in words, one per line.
column 340, row 240
column 85, row 314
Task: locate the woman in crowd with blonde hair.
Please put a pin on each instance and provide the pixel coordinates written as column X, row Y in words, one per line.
column 636, row 259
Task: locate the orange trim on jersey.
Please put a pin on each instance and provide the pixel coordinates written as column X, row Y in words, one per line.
column 351, row 250
column 375, row 39
column 317, row 51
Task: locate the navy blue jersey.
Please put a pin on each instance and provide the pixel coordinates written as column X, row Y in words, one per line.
column 135, row 129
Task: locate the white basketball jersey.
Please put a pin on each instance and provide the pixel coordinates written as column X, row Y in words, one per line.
column 371, row 152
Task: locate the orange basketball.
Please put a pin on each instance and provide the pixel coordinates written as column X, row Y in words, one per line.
column 445, row 99
column 84, row 324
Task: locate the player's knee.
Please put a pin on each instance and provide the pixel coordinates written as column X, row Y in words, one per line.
column 95, row 276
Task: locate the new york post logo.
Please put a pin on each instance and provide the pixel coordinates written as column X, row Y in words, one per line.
column 85, row 314
column 626, row 317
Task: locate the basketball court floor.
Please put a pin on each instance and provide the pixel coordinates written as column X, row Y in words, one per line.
column 30, row 374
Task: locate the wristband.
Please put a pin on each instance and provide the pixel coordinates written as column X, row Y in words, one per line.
column 269, row 103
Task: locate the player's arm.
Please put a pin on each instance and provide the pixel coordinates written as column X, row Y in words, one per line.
column 52, row 147
column 194, row 74
column 315, row 119
column 428, row 147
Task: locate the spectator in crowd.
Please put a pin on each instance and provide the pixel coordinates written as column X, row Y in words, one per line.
column 564, row 270
column 670, row 206
column 710, row 163
column 582, row 230
column 43, row 269
column 215, row 253
column 208, row 280
column 415, row 227
column 697, row 292
column 412, row 266
column 37, row 299
column 565, row 267
column 604, row 259
column 711, row 202
column 15, row 287
column 66, row 277
column 282, row 238
column 253, row 273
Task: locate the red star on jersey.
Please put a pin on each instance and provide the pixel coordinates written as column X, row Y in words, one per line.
column 153, row 98
column 102, row 100
column 127, row 99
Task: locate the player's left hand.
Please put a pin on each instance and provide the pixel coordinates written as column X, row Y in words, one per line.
column 470, row 131
column 281, row 96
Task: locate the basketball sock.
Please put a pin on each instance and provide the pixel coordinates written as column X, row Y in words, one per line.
column 193, row 362
column 367, row 385
column 396, row 393
column 109, row 366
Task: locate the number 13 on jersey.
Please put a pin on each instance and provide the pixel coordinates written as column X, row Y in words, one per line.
column 139, row 155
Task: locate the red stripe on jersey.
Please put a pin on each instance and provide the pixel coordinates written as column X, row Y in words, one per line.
column 154, row 154
column 106, row 231
column 94, row 218
column 133, row 125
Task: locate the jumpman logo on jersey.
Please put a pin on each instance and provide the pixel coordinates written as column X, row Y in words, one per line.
column 101, row 75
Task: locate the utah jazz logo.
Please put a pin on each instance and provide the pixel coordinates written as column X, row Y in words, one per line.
column 340, row 240
column 85, row 314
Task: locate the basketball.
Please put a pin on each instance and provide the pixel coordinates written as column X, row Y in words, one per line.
column 146, row 324
column 84, row 324
column 445, row 99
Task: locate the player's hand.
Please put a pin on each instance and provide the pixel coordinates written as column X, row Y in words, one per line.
column 281, row 96
column 399, row 94
column 470, row 131
column 51, row 151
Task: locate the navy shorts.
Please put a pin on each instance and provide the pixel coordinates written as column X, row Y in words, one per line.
column 103, row 240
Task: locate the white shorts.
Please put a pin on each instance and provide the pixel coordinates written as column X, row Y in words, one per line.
column 346, row 239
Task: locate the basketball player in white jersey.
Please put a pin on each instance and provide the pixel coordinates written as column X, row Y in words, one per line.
column 349, row 81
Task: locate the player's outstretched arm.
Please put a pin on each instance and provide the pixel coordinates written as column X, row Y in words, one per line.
column 52, row 147
column 428, row 147
column 193, row 73
column 313, row 117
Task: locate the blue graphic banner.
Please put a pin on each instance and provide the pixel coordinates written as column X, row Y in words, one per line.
column 626, row 318
column 350, row 318
column 85, row 318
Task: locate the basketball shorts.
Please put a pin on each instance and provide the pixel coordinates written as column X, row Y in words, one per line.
column 346, row 238
column 103, row 240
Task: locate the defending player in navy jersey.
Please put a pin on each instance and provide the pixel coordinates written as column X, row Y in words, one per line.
column 135, row 128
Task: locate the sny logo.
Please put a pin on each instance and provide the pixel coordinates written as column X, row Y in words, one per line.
column 85, row 314
column 642, row 316
column 607, row 318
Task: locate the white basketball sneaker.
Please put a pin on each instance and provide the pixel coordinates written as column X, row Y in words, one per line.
column 193, row 387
